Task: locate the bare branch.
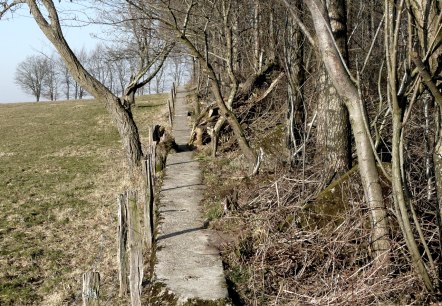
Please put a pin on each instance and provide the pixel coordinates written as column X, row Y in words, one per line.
column 271, row 87
column 300, row 24
column 161, row 57
column 426, row 78
column 186, row 19
column 372, row 45
column 8, row 7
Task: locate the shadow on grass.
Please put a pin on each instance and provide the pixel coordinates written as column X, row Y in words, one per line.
column 148, row 105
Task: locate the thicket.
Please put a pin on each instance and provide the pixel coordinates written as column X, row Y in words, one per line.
column 301, row 230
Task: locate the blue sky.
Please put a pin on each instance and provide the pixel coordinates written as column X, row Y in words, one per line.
column 21, row 37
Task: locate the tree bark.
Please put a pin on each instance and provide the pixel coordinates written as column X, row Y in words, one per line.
column 122, row 244
column 135, row 249
column 332, row 134
column 333, row 127
column 91, row 289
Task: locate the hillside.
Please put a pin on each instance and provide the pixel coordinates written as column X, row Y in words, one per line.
column 60, row 172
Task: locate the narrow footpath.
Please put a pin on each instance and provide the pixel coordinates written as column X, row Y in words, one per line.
column 186, row 264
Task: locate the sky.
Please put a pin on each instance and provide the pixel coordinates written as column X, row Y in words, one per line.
column 21, row 37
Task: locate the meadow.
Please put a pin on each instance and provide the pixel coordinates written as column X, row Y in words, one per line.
column 61, row 168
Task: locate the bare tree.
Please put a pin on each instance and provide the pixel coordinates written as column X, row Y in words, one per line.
column 52, row 80
column 66, row 81
column 159, row 81
column 45, row 14
column 97, row 65
column 137, row 42
column 31, row 75
column 121, row 68
column 177, row 68
column 426, row 58
column 83, row 57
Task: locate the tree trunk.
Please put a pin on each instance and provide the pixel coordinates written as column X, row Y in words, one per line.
column 294, row 49
column 437, row 161
column 121, row 116
column 346, row 88
column 129, row 98
column 332, row 134
column 333, row 126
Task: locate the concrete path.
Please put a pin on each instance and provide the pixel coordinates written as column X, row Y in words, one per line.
column 186, row 264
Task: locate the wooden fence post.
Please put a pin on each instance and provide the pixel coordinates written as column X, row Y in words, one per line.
column 135, row 243
column 170, row 112
column 214, row 141
column 152, row 196
column 173, row 94
column 152, row 149
column 91, row 289
column 149, row 225
column 122, row 244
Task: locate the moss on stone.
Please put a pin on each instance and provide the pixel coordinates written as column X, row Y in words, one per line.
column 329, row 207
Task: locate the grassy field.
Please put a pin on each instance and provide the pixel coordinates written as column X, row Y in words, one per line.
column 60, row 171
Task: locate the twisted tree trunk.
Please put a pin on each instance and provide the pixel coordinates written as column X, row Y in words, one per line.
column 121, row 116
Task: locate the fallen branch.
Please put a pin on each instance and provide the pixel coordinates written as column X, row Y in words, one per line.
column 271, row 87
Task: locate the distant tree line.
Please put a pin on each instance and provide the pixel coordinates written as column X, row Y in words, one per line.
column 46, row 76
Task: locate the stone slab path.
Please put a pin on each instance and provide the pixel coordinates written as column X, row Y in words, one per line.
column 186, row 264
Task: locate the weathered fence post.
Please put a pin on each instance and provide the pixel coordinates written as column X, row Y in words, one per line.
column 149, row 225
column 152, row 149
column 152, row 171
column 91, row 288
column 170, row 112
column 173, row 94
column 135, row 243
column 122, row 243
column 214, row 141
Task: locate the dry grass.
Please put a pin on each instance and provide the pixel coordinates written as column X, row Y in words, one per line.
column 61, row 170
column 280, row 248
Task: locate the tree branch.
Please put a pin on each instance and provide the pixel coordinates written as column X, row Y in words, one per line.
column 271, row 87
column 426, row 78
column 300, row 24
column 8, row 7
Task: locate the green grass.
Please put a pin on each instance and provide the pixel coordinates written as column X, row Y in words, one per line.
column 60, row 171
